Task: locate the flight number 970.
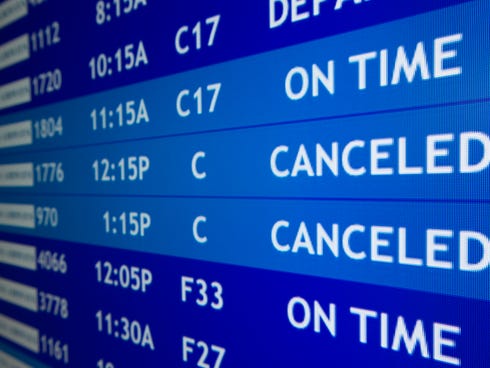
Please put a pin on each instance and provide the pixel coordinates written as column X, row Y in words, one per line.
column 47, row 216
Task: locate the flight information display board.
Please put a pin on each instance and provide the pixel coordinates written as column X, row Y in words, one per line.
column 268, row 183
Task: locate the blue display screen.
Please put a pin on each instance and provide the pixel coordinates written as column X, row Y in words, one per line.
column 269, row 183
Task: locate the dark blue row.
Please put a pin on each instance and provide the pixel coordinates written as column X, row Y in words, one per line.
column 242, row 30
column 253, row 325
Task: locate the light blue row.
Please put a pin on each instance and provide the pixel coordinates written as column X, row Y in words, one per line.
column 435, row 247
column 411, row 154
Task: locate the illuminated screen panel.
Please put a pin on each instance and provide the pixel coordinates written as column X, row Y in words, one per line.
column 269, row 183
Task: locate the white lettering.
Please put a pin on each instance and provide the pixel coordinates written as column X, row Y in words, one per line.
column 440, row 341
column 363, row 314
column 410, row 342
column 433, row 248
column 199, row 238
column 305, row 308
column 466, row 138
column 419, row 62
column 340, row 3
column 280, row 247
column 440, row 56
column 302, row 163
column 376, row 243
column 303, row 74
column 433, row 153
column 346, row 245
column 273, row 20
column 376, row 156
column 295, row 15
column 198, row 174
column 477, row 239
column 345, row 159
column 361, row 62
column 275, row 170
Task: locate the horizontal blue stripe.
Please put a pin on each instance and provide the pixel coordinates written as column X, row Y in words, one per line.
column 253, row 93
column 251, row 162
column 243, row 30
column 253, row 318
column 240, row 232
